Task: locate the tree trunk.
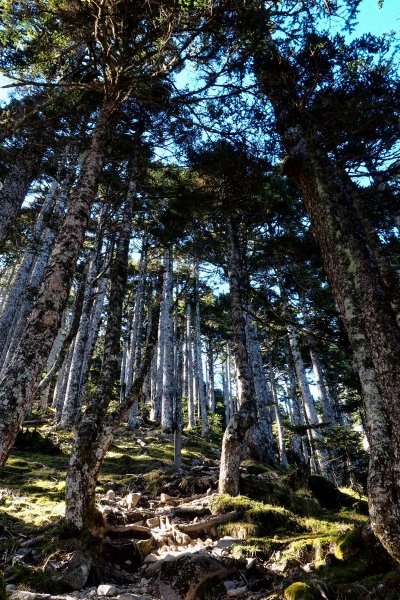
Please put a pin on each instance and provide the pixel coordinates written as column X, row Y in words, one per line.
column 189, row 363
column 167, row 397
column 260, row 438
column 211, row 381
column 96, row 429
column 355, row 279
column 310, row 411
column 198, row 358
column 236, row 430
column 92, row 436
column 16, row 186
column 21, row 379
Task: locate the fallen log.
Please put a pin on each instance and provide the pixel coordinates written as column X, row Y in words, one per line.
column 203, row 525
column 126, row 528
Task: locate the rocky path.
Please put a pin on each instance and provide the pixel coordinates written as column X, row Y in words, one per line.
column 160, row 548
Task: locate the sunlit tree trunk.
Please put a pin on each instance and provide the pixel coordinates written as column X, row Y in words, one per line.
column 189, row 359
column 198, row 358
column 167, row 324
column 318, row 456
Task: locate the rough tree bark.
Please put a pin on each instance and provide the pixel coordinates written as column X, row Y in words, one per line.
column 236, row 430
column 260, row 439
column 94, row 436
column 198, row 370
column 354, row 276
column 19, row 383
column 167, row 324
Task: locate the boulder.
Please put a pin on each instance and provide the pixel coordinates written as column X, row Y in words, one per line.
column 70, row 570
column 181, row 577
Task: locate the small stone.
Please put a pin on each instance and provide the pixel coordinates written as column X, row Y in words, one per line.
column 227, row 542
column 150, row 558
column 236, row 592
column 229, row 585
column 92, row 593
column 132, row 500
column 165, row 497
column 10, row 587
column 309, row 567
column 153, row 522
column 110, row 495
column 106, row 590
column 129, row 596
column 144, row 582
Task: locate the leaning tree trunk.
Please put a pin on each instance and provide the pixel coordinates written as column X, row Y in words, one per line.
column 96, row 429
column 310, row 411
column 83, row 466
column 355, row 278
column 21, row 283
column 21, row 378
column 235, row 434
column 16, row 186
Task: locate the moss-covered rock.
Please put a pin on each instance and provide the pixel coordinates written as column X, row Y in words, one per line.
column 329, row 496
column 33, row 579
column 299, row 591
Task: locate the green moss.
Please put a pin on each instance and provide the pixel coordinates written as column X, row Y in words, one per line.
column 308, row 550
column 261, row 548
column 299, row 591
column 239, row 529
column 349, row 545
column 33, row 579
column 265, row 518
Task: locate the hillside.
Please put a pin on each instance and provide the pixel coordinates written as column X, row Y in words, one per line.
column 167, row 534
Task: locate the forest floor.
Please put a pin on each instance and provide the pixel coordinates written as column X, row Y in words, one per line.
column 167, row 534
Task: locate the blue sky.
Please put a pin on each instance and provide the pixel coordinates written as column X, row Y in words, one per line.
column 374, row 20
column 371, row 20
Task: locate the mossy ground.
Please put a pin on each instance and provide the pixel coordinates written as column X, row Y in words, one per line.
column 278, row 519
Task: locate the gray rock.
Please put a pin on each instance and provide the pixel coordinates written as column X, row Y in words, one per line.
column 10, row 587
column 110, row 495
column 150, row 558
column 132, row 500
column 71, row 570
column 153, row 522
column 106, row 590
column 129, row 596
column 181, row 577
column 226, row 542
column 229, row 585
